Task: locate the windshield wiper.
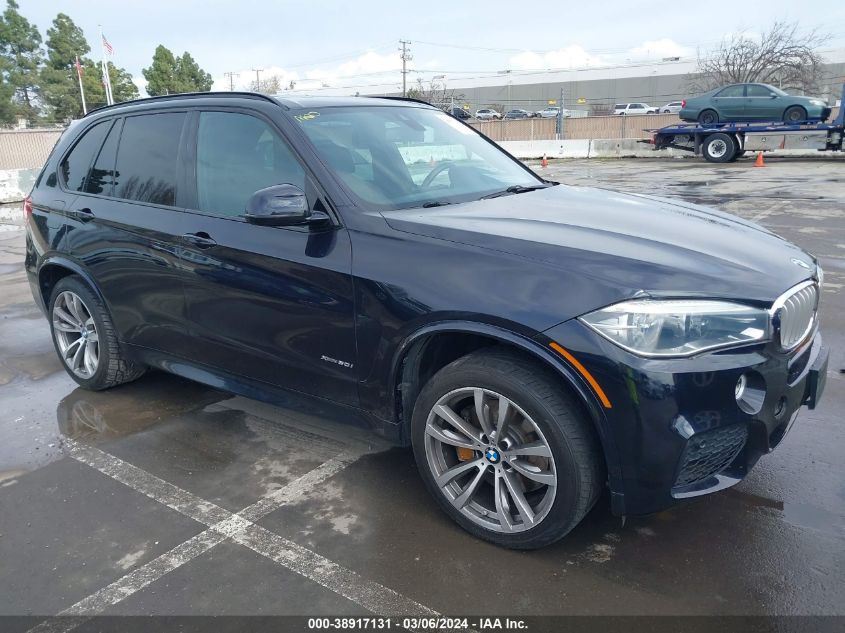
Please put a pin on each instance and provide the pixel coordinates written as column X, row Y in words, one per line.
column 513, row 189
column 434, row 203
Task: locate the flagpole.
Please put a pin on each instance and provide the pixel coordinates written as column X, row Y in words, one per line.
column 81, row 90
column 104, row 68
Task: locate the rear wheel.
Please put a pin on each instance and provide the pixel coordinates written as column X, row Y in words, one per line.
column 85, row 339
column 719, row 148
column 505, row 451
column 708, row 117
column 794, row 114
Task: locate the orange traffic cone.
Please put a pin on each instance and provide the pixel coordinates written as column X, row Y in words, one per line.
column 759, row 162
column 545, row 162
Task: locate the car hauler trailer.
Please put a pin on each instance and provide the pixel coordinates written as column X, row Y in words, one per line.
column 725, row 142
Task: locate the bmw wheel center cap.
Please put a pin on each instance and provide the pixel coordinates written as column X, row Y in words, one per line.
column 493, row 456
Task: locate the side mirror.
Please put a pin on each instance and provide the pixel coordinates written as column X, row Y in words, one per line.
column 774, row 95
column 279, row 205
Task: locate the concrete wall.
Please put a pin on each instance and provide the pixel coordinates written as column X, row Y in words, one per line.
column 15, row 184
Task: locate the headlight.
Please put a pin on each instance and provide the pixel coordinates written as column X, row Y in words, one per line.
column 818, row 102
column 678, row 327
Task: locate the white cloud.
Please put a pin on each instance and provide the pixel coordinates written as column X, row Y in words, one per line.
column 368, row 68
column 573, row 56
column 661, row 48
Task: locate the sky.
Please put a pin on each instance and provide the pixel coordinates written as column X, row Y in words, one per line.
column 351, row 46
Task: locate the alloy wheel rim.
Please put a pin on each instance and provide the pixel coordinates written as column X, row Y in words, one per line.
column 76, row 334
column 490, row 460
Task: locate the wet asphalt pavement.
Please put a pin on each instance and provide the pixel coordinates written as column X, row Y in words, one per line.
column 106, row 499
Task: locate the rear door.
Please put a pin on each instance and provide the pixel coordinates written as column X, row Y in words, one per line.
column 730, row 103
column 273, row 304
column 125, row 226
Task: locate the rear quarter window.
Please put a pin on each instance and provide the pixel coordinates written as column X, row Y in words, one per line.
column 74, row 167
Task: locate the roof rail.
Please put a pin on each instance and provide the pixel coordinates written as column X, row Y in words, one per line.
column 186, row 95
column 411, row 99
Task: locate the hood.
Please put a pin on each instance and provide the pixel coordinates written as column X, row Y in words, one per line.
column 627, row 243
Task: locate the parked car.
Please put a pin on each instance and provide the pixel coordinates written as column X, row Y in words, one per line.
column 549, row 113
column 460, row 113
column 518, row 114
column 486, row 114
column 752, row 102
column 633, row 108
column 513, row 331
column 673, row 107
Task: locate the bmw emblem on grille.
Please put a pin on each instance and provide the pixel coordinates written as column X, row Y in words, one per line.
column 802, row 263
column 492, row 456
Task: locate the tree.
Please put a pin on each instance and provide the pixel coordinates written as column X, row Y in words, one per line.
column 8, row 112
column 20, row 49
column 169, row 74
column 59, row 83
column 270, row 86
column 435, row 93
column 781, row 56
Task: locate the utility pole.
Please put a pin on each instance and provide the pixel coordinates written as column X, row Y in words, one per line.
column 231, row 76
column 406, row 57
column 257, row 79
column 559, row 125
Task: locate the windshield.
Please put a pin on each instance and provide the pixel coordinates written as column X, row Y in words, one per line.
column 400, row 157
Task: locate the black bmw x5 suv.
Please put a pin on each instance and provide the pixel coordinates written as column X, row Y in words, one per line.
column 534, row 342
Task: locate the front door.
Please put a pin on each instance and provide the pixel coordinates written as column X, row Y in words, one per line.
column 273, row 304
column 762, row 104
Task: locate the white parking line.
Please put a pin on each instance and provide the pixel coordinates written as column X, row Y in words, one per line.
column 240, row 528
column 131, row 583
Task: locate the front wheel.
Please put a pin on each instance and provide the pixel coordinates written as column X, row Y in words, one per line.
column 505, row 450
column 795, row 114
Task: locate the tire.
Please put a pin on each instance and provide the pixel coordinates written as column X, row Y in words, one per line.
column 540, row 413
column 708, row 117
column 794, row 114
column 719, row 148
column 739, row 154
column 76, row 313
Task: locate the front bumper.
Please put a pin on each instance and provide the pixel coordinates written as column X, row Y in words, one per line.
column 674, row 429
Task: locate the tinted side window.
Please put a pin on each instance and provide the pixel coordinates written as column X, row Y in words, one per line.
column 148, row 158
column 755, row 90
column 75, row 165
column 101, row 175
column 732, row 91
column 238, row 154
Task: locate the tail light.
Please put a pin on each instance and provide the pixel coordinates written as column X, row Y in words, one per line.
column 27, row 208
column 684, row 103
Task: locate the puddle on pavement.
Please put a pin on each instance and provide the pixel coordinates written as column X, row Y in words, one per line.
column 94, row 416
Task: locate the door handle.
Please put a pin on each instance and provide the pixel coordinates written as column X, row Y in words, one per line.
column 200, row 239
column 85, row 214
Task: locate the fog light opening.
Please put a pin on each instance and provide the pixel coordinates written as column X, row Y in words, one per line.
column 750, row 392
column 739, row 389
column 780, row 407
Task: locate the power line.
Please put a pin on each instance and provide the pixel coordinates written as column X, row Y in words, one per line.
column 406, row 57
column 257, row 79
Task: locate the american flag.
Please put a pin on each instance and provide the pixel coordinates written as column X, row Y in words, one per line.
column 107, row 46
column 78, row 66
